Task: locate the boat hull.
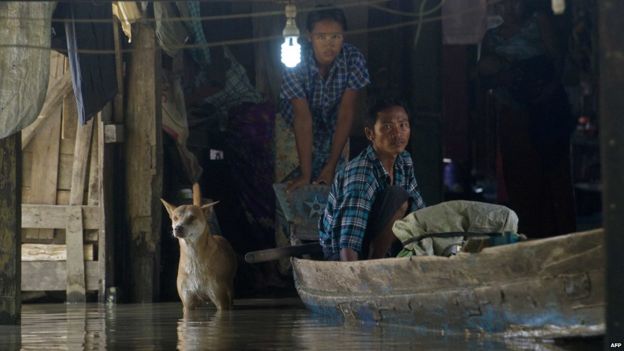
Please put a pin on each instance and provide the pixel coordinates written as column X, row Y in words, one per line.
column 541, row 288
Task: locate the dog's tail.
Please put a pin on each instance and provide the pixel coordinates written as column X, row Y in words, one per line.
column 196, row 195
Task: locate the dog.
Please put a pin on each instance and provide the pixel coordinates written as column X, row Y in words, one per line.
column 207, row 262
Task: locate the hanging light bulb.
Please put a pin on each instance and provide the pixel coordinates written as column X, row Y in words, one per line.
column 291, row 50
column 558, row 6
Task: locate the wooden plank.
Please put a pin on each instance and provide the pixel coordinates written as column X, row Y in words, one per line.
column 10, row 188
column 26, row 174
column 51, row 106
column 93, row 193
column 143, row 150
column 117, row 115
column 66, row 162
column 62, row 197
column 611, row 63
column 75, row 257
column 45, row 162
column 90, row 236
column 52, row 252
column 40, row 276
column 70, row 117
column 50, row 216
column 107, row 176
column 79, row 168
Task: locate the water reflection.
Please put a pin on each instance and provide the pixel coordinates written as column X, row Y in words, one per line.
column 253, row 325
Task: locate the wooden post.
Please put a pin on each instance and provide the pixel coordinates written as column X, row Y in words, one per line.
column 421, row 76
column 10, row 229
column 143, row 149
column 76, row 285
column 611, row 63
column 106, row 256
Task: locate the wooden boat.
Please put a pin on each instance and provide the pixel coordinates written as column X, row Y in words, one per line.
column 538, row 288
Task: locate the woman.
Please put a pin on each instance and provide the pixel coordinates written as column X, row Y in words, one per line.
column 318, row 97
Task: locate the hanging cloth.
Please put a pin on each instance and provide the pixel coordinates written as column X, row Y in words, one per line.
column 24, row 71
column 463, row 21
column 171, row 34
column 93, row 74
column 127, row 12
column 191, row 9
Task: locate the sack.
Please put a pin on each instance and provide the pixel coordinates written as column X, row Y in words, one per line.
column 435, row 230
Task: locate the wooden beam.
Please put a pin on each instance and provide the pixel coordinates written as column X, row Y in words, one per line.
column 55, row 217
column 106, row 179
column 93, row 193
column 38, row 276
column 76, row 291
column 51, row 106
column 143, row 151
column 45, row 166
column 117, row 116
column 611, row 63
column 52, row 252
column 81, row 158
column 10, row 236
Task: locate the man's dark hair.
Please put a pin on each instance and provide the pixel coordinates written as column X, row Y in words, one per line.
column 377, row 105
column 326, row 13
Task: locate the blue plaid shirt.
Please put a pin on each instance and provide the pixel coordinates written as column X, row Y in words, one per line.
column 353, row 193
column 323, row 95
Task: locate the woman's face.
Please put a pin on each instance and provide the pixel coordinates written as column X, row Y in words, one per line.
column 326, row 39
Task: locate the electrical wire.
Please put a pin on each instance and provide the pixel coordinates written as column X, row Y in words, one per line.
column 418, row 22
column 200, row 18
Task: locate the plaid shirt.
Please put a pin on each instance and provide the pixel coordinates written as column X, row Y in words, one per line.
column 323, row 95
column 353, row 193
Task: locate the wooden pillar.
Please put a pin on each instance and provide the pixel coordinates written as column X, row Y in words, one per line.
column 143, row 149
column 422, row 78
column 611, row 61
column 10, row 224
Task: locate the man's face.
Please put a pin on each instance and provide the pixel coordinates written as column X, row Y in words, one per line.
column 391, row 131
column 326, row 38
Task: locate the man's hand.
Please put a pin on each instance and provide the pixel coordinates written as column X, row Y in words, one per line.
column 297, row 183
column 326, row 176
column 348, row 254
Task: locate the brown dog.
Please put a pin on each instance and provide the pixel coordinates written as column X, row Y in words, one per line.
column 207, row 262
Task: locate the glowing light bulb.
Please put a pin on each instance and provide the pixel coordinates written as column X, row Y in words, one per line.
column 558, row 6
column 291, row 52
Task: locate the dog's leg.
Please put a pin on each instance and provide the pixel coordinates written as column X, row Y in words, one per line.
column 189, row 301
column 222, row 297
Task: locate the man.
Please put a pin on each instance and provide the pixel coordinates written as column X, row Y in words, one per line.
column 318, row 96
column 373, row 190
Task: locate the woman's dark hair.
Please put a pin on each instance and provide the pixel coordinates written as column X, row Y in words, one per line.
column 326, row 13
column 377, row 105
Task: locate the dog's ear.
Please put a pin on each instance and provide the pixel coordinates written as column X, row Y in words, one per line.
column 207, row 208
column 170, row 208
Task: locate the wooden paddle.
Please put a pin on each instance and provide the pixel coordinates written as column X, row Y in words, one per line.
column 282, row 252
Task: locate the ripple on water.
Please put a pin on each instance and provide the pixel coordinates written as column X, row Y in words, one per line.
column 282, row 324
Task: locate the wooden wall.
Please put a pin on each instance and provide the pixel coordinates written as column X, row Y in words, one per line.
column 61, row 190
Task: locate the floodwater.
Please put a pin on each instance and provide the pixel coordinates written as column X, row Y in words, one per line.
column 254, row 324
